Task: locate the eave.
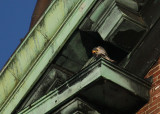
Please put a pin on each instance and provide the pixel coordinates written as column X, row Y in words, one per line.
column 38, row 49
column 102, row 84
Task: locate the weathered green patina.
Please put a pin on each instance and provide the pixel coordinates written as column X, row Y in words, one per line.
column 76, row 106
column 101, row 83
column 37, row 50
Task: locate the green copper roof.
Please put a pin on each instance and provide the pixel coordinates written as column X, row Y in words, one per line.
column 37, row 50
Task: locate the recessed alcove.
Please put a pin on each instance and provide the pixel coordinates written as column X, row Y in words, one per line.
column 77, row 50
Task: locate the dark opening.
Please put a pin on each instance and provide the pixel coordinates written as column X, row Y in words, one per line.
column 93, row 39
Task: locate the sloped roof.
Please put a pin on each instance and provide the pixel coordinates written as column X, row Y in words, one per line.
column 38, row 49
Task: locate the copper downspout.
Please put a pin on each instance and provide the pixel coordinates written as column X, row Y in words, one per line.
column 40, row 7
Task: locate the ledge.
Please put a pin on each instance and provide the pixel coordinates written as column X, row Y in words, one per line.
column 102, row 84
column 76, row 106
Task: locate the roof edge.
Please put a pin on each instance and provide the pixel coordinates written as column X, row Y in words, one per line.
column 39, row 47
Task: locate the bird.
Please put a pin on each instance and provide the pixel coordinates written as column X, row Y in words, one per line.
column 99, row 51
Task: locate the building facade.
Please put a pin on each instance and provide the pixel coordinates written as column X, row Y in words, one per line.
column 50, row 72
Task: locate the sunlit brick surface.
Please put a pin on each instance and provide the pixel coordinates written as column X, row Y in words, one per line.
column 153, row 106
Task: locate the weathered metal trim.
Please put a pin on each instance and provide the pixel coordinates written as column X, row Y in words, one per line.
column 40, row 53
column 16, row 62
column 56, row 99
column 88, row 75
column 126, row 73
column 126, row 80
column 120, row 14
column 49, row 52
column 27, row 37
column 76, row 105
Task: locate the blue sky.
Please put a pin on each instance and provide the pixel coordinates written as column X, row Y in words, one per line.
column 15, row 17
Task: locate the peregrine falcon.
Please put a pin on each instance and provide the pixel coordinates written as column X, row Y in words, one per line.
column 97, row 53
column 101, row 52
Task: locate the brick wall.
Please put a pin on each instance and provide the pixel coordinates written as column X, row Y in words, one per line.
column 153, row 106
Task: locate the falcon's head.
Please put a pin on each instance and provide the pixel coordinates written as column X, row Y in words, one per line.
column 99, row 52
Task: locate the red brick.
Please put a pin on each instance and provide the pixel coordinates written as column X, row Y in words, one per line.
column 156, row 83
column 146, row 107
column 155, row 64
column 159, row 105
column 151, row 92
column 140, row 112
column 153, row 70
column 156, row 73
column 156, row 96
column 153, row 106
column 156, row 111
column 155, row 79
column 147, row 76
column 143, row 109
column 151, row 109
column 156, row 88
column 155, row 102
column 155, row 93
